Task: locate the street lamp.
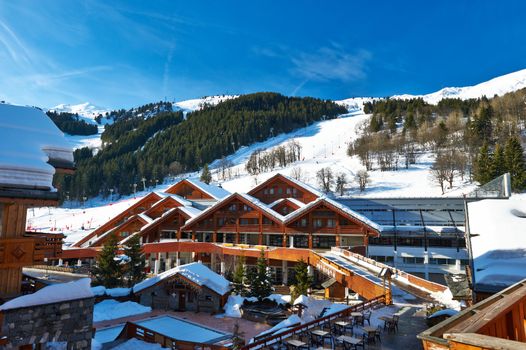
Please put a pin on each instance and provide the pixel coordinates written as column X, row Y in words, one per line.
column 111, row 194
column 134, row 189
column 143, row 183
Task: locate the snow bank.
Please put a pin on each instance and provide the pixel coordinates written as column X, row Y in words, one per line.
column 54, row 293
column 445, row 312
column 98, row 291
column 136, row 344
column 446, row 298
column 118, row 292
column 279, row 298
column 499, row 250
column 111, row 309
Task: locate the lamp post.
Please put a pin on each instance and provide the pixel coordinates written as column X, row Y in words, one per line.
column 111, row 194
column 143, row 183
column 134, row 190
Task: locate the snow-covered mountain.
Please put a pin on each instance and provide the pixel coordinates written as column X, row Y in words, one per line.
column 496, row 86
column 198, row 103
column 355, row 104
column 85, row 109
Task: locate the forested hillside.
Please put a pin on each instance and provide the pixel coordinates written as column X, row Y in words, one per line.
column 137, row 148
column 71, row 123
column 477, row 138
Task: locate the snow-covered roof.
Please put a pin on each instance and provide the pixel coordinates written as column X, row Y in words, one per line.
column 292, row 200
column 263, row 206
column 352, row 213
column 498, row 243
column 191, row 211
column 195, row 272
column 215, row 192
column 145, row 218
column 29, row 139
column 79, row 289
column 304, row 186
column 178, row 198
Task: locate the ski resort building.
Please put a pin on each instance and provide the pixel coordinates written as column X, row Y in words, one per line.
column 423, row 236
column 33, row 150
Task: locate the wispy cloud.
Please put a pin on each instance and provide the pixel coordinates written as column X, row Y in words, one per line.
column 332, row 63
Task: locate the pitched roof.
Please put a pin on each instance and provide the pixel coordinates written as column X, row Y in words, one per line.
column 295, row 214
column 246, row 197
column 300, row 184
column 214, row 191
column 289, row 199
column 195, row 272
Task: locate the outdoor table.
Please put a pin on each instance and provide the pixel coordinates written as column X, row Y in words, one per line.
column 370, row 330
column 296, row 344
column 356, row 316
column 350, row 340
column 319, row 334
column 386, row 319
column 342, row 325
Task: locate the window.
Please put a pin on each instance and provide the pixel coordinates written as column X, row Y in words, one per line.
column 247, row 208
column 232, row 207
column 271, row 190
column 318, row 223
column 275, row 240
column 303, row 222
column 220, row 221
column 464, row 262
column 324, row 242
column 412, row 260
column 331, row 223
column 280, row 190
column 382, row 259
column 208, row 297
column 289, row 190
column 301, row 241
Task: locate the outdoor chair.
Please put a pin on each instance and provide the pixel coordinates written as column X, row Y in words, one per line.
column 367, row 317
column 378, row 334
column 395, row 322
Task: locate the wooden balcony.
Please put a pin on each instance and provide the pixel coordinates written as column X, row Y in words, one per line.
column 30, row 249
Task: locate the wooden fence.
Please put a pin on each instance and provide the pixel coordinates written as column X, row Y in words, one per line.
column 271, row 339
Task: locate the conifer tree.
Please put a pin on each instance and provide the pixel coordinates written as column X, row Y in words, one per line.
column 303, row 280
column 206, row 176
column 137, row 262
column 238, row 279
column 108, row 270
column 498, row 163
column 515, row 164
column 482, row 170
column 259, row 280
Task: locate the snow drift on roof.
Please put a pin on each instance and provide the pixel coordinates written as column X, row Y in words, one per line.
column 79, row 289
column 499, row 250
column 28, row 140
column 215, row 192
column 195, row 272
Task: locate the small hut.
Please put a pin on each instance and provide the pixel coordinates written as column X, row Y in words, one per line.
column 190, row 287
column 333, row 289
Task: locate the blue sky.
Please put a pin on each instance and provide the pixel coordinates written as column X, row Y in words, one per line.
column 122, row 54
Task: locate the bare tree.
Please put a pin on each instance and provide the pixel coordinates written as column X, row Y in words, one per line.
column 363, row 179
column 296, row 173
column 341, row 181
column 325, row 179
column 225, row 168
column 440, row 170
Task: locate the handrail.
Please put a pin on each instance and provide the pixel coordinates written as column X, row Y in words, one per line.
column 317, row 322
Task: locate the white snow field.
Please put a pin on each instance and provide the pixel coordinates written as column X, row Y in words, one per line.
column 499, row 247
column 496, row 86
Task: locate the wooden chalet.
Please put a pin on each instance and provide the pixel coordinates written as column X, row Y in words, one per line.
column 196, row 190
column 280, row 186
column 190, row 287
column 138, row 207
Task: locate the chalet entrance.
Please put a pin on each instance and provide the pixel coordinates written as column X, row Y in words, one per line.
column 182, row 301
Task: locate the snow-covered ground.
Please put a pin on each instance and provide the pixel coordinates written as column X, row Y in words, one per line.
column 110, row 309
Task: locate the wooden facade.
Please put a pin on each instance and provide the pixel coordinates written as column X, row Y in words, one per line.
column 18, row 248
column 139, row 207
column 280, row 186
column 188, row 190
column 498, row 322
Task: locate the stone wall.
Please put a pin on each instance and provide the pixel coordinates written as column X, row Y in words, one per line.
column 69, row 321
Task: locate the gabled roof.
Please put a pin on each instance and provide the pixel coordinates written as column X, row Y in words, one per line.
column 288, row 179
column 213, row 191
column 335, row 205
column 294, row 201
column 195, row 272
column 244, row 197
column 140, row 217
